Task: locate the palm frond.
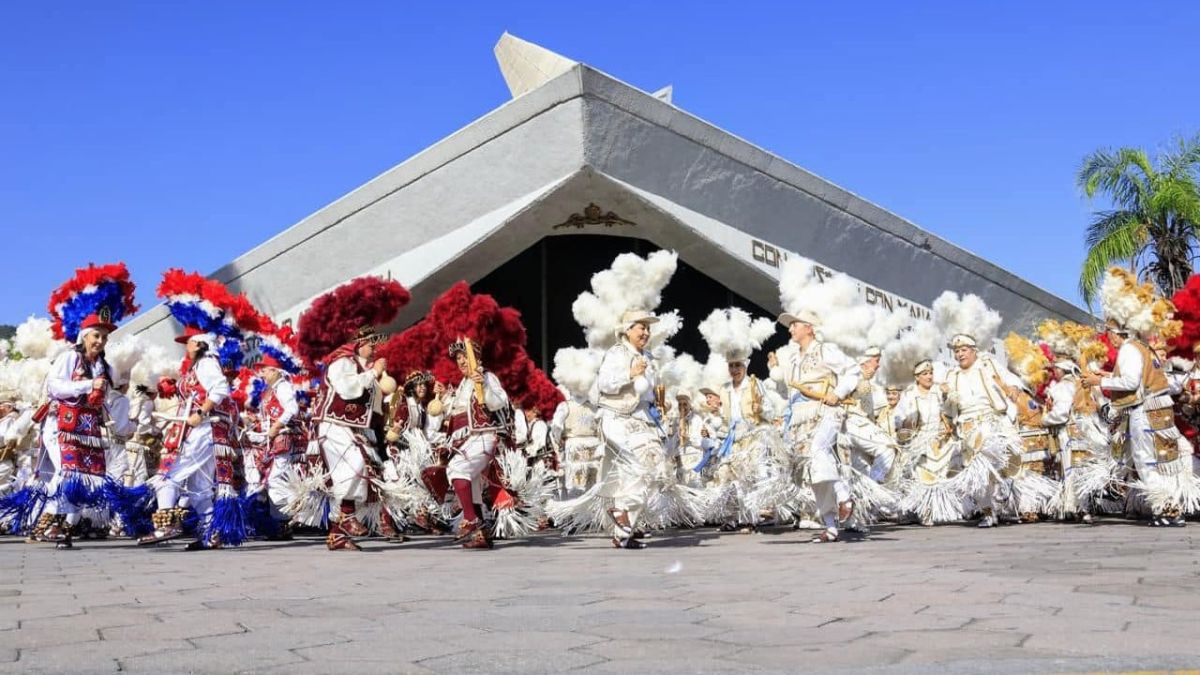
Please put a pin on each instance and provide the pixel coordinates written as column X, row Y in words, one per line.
column 1108, row 222
column 1124, row 175
column 1121, row 243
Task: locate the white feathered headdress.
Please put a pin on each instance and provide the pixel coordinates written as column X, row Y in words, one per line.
column 845, row 317
column 966, row 315
column 733, row 334
column 922, row 341
column 122, row 355
column 154, row 364
column 632, row 282
column 35, row 340
column 576, row 369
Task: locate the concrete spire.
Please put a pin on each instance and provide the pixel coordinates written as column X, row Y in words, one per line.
column 527, row 66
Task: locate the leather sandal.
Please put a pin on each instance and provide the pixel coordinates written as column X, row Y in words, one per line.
column 352, row 526
column 825, row 537
column 340, row 542
column 631, row 544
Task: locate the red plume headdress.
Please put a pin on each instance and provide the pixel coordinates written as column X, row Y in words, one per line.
column 349, row 313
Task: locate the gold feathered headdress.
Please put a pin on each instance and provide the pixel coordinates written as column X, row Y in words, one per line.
column 1136, row 306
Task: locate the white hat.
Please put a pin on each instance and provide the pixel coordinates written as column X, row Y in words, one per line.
column 923, row 366
column 870, row 353
column 9, row 395
column 632, row 316
column 962, row 340
column 803, row 316
column 709, row 391
column 737, row 357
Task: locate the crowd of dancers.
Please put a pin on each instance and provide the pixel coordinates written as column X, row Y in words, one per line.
column 862, row 416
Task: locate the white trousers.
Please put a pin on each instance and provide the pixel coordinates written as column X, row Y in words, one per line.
column 470, row 461
column 343, row 449
column 277, row 486
column 873, row 451
column 193, row 476
column 116, row 462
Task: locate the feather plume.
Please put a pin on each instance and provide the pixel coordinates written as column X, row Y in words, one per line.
column 92, row 290
column 122, row 355
column 846, row 319
column 576, row 369
column 920, row 342
column 732, row 332
column 969, row 314
column 1027, row 360
column 499, row 333
column 1136, row 306
column 34, row 339
column 632, row 282
column 334, row 318
column 154, row 364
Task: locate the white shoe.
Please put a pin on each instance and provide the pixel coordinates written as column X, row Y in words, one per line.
column 987, row 521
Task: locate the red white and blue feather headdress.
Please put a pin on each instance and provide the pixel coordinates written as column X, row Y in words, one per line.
column 96, row 297
column 277, row 346
column 206, row 307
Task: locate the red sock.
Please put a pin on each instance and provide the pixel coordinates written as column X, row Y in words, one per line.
column 348, row 507
column 462, row 489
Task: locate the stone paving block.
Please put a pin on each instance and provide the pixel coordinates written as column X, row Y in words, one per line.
column 814, row 657
column 921, row 621
column 940, row 640
column 509, row 662
column 98, row 656
column 182, row 629
column 671, row 631
column 373, row 647
column 776, row 636
column 681, row 665
column 210, row 661
column 386, row 666
column 33, row 638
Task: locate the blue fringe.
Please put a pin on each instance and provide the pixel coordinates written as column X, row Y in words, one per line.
column 229, row 521
column 258, row 514
column 134, row 505
column 77, row 489
column 21, row 509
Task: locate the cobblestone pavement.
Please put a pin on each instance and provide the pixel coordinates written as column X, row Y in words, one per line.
column 951, row 599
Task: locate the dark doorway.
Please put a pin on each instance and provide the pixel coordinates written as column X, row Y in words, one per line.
column 543, row 280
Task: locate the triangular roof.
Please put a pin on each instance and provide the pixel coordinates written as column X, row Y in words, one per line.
column 575, row 137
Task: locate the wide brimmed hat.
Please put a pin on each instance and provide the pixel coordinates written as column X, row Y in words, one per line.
column 193, row 332
column 632, row 316
column 802, row 316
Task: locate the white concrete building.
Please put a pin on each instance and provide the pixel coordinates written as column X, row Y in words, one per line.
column 533, row 198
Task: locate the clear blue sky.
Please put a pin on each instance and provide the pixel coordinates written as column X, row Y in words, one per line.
column 183, row 134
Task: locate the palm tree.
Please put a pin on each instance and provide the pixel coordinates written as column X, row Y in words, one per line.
column 1155, row 223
